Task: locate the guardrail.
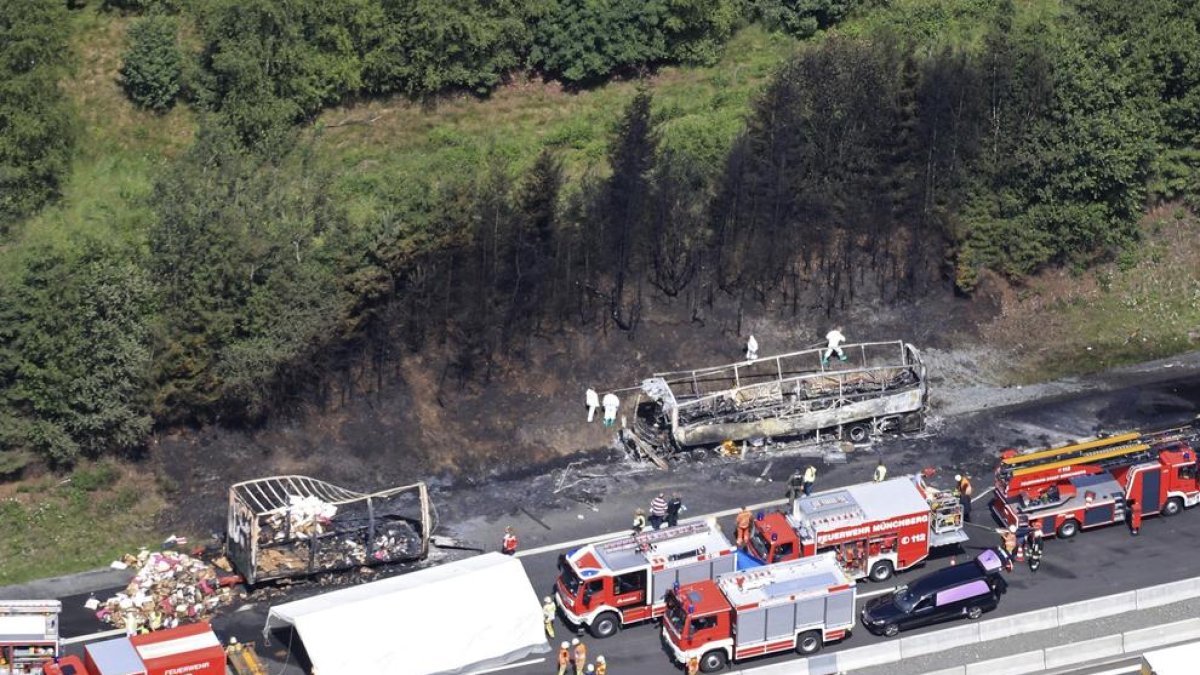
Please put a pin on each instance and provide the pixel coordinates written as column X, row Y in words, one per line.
column 1031, row 661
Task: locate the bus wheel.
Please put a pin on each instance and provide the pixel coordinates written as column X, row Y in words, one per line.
column 604, row 626
column 859, row 433
column 881, row 571
column 712, row 661
column 809, row 642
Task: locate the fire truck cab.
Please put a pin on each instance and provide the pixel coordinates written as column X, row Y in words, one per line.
column 798, row 605
column 604, row 586
column 1097, row 482
column 874, row 529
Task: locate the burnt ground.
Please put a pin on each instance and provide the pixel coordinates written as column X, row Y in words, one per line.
column 526, row 420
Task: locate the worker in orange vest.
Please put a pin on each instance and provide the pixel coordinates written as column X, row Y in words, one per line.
column 693, row 666
column 601, row 666
column 965, row 492
column 580, row 656
column 743, row 527
column 508, row 545
column 1135, row 516
column 564, row 658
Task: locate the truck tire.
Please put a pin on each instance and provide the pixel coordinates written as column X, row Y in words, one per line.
column 605, row 625
column 1173, row 507
column 809, row 642
column 712, row 661
column 859, row 433
column 882, row 570
column 1068, row 529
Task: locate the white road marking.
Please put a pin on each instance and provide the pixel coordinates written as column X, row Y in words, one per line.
column 511, row 666
column 93, row 636
column 983, row 494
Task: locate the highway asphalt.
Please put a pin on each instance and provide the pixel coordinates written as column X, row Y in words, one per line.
column 1095, row 563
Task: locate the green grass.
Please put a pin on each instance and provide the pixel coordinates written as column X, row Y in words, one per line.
column 382, row 148
column 51, row 526
column 1146, row 305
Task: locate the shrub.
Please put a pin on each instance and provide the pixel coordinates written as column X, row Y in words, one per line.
column 153, row 63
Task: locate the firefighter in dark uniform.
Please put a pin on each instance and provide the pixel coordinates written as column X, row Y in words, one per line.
column 1034, row 542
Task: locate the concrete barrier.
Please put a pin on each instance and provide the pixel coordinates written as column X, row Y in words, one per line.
column 798, row 667
column 865, row 657
column 1087, row 610
column 1157, row 636
column 1087, row 650
column 1165, row 594
column 1017, row 664
column 937, row 641
column 1038, row 619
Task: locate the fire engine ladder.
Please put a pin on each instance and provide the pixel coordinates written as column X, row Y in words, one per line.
column 648, row 540
column 1125, row 448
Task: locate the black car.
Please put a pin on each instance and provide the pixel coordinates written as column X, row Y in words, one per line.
column 966, row 590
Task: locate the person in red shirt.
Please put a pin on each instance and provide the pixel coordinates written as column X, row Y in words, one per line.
column 508, row 545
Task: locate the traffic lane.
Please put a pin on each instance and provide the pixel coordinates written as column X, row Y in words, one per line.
column 1095, row 563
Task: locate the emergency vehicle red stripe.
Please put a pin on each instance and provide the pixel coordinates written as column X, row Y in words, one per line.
column 835, row 635
column 834, row 589
column 776, row 646
column 742, row 608
column 751, row 651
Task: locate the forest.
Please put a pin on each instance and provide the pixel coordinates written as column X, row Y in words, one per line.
column 907, row 151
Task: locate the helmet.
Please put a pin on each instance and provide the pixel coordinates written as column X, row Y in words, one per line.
column 565, row 645
column 1012, row 528
column 574, row 641
column 233, row 641
column 599, row 659
column 958, row 476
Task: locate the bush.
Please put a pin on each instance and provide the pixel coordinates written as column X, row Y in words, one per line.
column 153, row 63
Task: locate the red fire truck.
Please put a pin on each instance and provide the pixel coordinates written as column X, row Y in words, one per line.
column 604, row 586
column 798, row 605
column 187, row 650
column 873, row 528
column 1091, row 483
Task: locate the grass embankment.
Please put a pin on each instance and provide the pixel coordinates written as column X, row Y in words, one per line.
column 54, row 525
column 1143, row 306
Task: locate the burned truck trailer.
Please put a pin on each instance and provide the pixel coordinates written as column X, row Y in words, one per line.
column 294, row 526
column 880, row 388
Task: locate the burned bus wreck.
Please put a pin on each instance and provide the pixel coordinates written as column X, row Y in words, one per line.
column 880, row 389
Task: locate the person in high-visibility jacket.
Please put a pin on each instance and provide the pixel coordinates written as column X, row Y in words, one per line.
column 548, row 615
column 508, row 545
column 744, row 519
column 810, row 477
column 693, row 666
column 880, row 472
column 601, row 666
column 564, row 658
column 580, row 656
column 965, row 491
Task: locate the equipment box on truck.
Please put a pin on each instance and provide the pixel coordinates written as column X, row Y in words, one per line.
column 797, row 605
column 603, row 586
column 28, row 635
column 874, row 528
column 187, row 650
